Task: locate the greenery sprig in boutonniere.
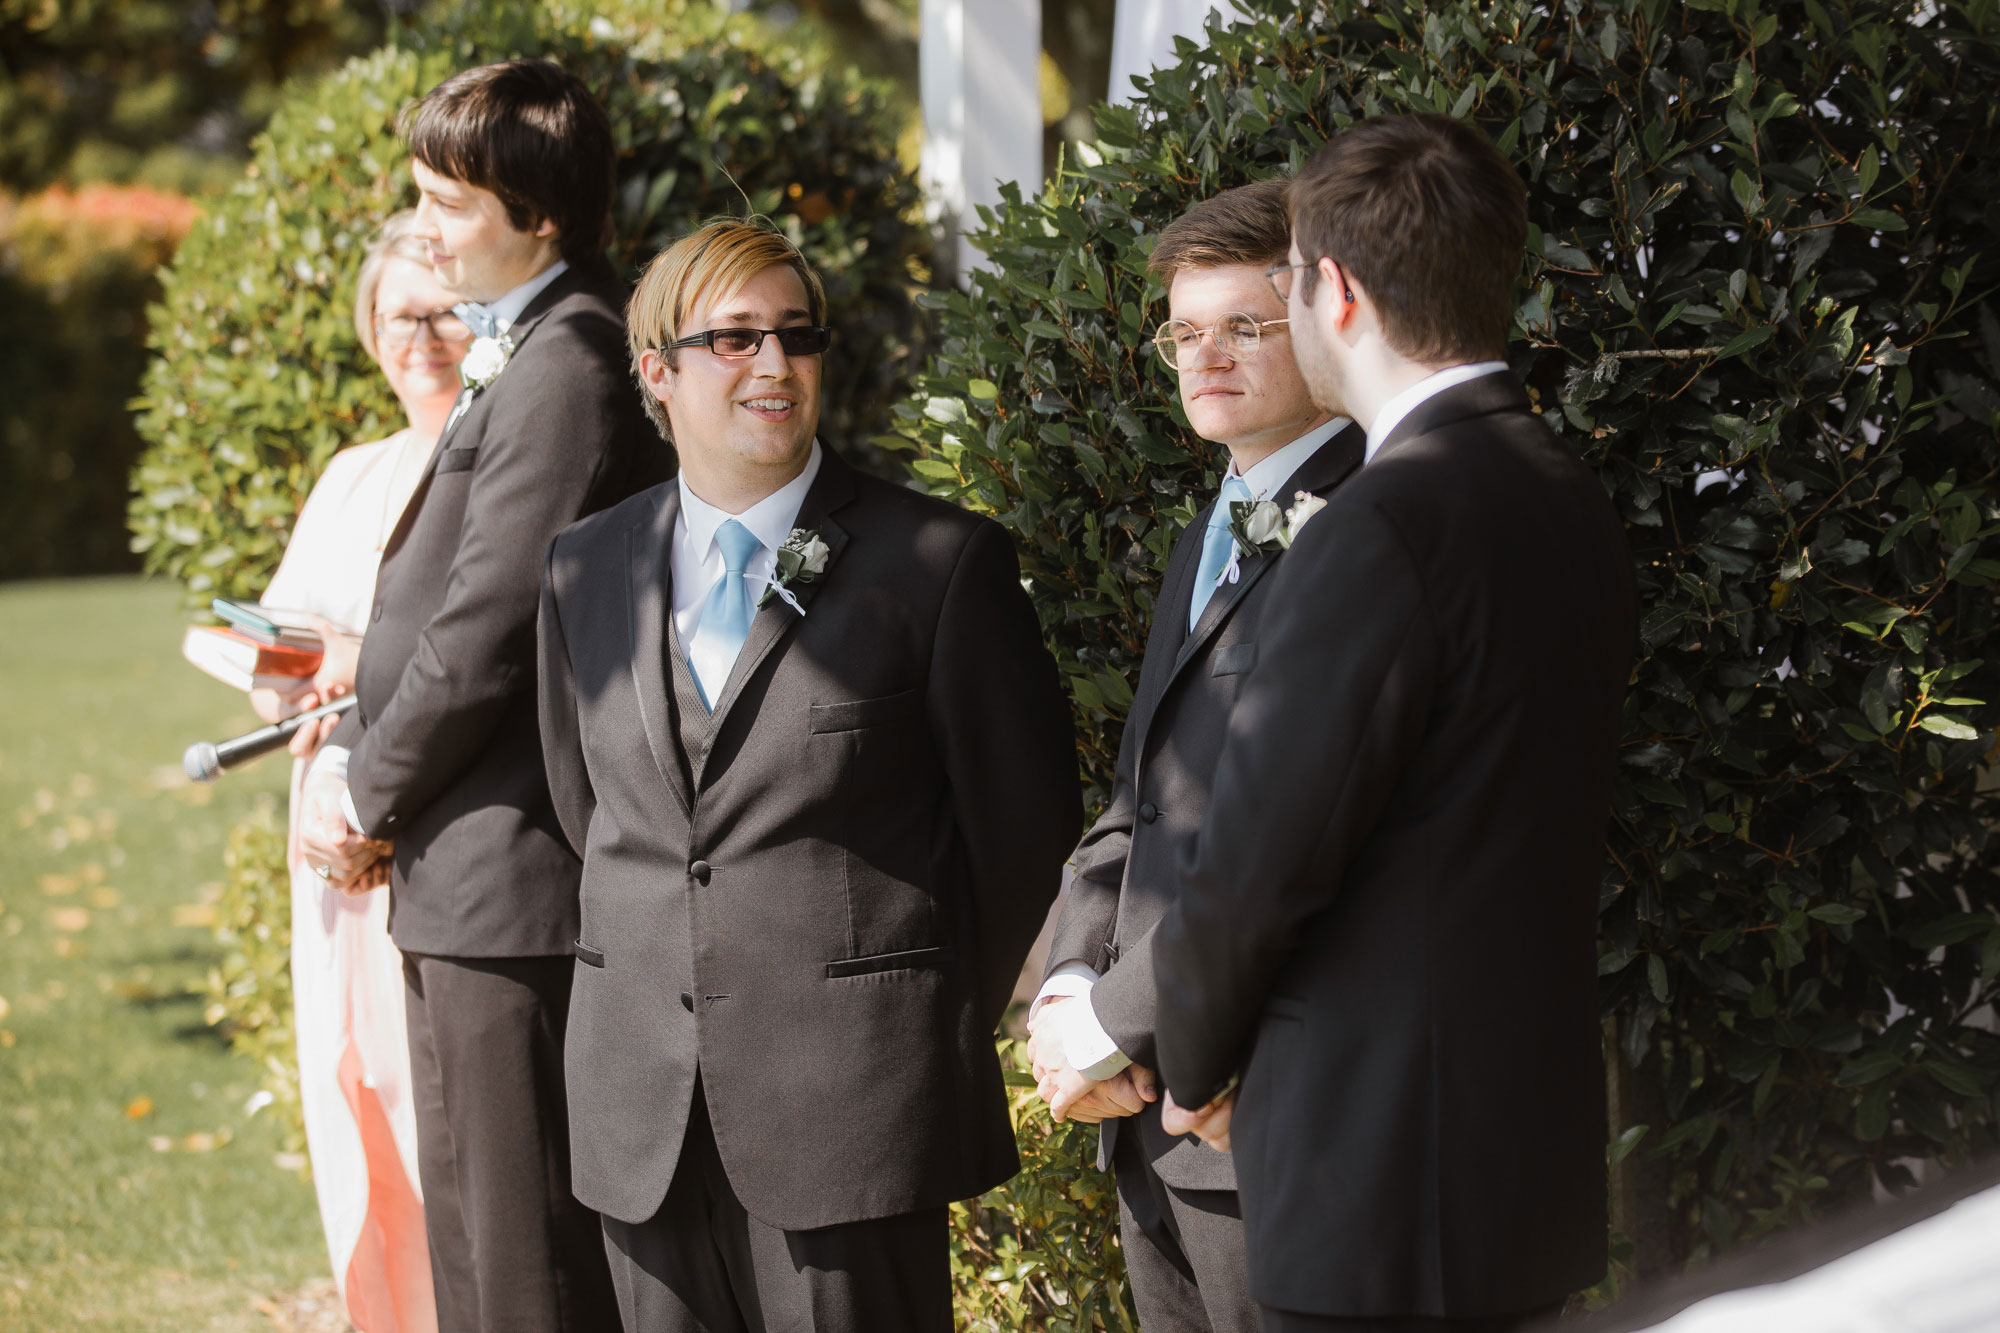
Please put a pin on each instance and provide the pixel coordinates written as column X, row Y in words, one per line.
column 1259, row 527
column 802, row 559
column 484, row 360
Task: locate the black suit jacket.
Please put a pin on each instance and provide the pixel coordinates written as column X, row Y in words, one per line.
column 446, row 757
column 1387, row 920
column 1126, row 867
column 846, row 890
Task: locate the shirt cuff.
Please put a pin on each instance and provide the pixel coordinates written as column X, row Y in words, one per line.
column 1086, row 1045
column 331, row 763
column 348, row 812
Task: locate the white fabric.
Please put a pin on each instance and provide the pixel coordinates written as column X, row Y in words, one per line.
column 347, row 977
column 1936, row 1276
column 1143, row 32
column 979, row 64
column 696, row 561
column 1410, row 399
column 1266, row 475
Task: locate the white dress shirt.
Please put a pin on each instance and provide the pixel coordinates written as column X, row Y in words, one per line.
column 332, row 759
column 1406, row 402
column 1085, row 1043
column 696, row 559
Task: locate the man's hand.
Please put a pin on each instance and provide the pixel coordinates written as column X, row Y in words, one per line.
column 326, row 839
column 1071, row 1095
column 335, row 676
column 1210, row 1123
column 374, row 877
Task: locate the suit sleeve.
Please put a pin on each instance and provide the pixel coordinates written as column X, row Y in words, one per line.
column 562, row 735
column 534, row 475
column 1003, row 730
column 1317, row 742
column 1090, row 912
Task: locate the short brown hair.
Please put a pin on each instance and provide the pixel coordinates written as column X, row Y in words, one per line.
column 531, row 134
column 718, row 258
column 1246, row 225
column 1430, row 220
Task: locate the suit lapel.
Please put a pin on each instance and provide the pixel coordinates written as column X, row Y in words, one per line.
column 1170, row 612
column 831, row 489
column 1330, row 465
column 649, row 613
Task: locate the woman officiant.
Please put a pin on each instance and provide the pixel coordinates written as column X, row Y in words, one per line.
column 347, row 977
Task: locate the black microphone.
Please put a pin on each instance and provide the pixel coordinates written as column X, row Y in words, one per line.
column 205, row 761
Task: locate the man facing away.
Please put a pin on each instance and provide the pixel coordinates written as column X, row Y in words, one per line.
column 443, row 757
column 801, row 725
column 1095, row 1017
column 1386, row 921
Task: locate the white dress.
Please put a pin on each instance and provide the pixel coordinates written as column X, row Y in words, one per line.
column 347, row 977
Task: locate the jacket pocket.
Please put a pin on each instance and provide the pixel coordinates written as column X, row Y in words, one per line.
column 858, row 713
column 888, row 962
column 586, row 954
column 1233, row 660
column 457, row 460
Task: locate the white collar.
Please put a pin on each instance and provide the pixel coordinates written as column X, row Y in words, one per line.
column 1272, row 471
column 508, row 308
column 1406, row 402
column 770, row 520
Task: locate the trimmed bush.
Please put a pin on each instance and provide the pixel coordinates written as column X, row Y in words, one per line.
column 1759, row 304
column 256, row 376
column 76, row 272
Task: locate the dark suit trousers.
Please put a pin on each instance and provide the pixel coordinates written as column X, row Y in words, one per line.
column 511, row 1248
column 1286, row 1321
column 704, row 1265
column 1184, row 1249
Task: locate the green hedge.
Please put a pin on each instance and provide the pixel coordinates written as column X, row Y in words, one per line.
column 1759, row 303
column 256, row 377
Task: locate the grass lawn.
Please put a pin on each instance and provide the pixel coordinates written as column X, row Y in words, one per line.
column 135, row 1190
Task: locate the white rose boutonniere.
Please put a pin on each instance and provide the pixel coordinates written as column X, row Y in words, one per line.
column 484, row 361
column 1258, row 526
column 1304, row 505
column 802, row 559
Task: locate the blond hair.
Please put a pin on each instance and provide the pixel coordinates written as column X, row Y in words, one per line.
column 712, row 262
column 393, row 240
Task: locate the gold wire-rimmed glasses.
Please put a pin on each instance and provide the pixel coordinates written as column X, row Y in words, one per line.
column 1236, row 336
column 1279, row 275
column 401, row 330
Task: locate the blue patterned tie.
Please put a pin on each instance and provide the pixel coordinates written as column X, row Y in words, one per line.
column 477, row 318
column 725, row 616
column 1215, row 547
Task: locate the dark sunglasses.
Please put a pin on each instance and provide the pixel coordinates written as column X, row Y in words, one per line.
column 737, row 344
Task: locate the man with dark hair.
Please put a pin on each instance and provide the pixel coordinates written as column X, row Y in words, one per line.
column 1093, row 1023
column 441, row 765
column 1386, row 922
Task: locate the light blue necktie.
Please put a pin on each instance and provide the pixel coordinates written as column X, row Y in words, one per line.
column 477, row 318
column 725, row 616
column 1215, row 548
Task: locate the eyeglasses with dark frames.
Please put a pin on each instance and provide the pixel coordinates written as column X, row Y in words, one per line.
column 741, row 344
column 1237, row 337
column 401, row 330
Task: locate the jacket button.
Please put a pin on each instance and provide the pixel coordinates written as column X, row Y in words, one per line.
column 1149, row 812
column 687, row 1001
column 378, row 611
column 700, row 872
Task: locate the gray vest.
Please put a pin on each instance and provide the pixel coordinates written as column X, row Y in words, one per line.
column 694, row 725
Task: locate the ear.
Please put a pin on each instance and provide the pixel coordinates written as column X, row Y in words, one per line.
column 657, row 374
column 1338, row 283
column 545, row 229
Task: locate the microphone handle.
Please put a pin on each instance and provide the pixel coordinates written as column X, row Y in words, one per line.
column 205, row 762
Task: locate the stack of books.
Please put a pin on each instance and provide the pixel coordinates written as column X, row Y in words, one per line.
column 257, row 650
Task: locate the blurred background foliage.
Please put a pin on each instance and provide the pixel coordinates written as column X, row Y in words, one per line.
column 257, row 376
column 1760, row 302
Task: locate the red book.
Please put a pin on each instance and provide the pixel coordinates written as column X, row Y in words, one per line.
column 238, row 660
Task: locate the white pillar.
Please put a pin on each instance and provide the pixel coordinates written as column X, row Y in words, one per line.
column 1142, row 36
column 979, row 62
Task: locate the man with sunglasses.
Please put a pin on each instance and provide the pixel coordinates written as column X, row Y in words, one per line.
column 1227, row 340
column 802, row 728
column 442, row 759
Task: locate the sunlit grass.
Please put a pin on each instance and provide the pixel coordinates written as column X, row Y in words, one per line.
column 135, row 1190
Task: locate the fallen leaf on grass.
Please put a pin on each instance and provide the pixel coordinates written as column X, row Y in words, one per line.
column 70, row 918
column 199, row 1142
column 160, row 1143
column 90, row 872
column 58, row 886
column 66, row 947
column 289, row 1161
column 6, row 1037
column 4, row 1007
column 104, row 898
column 138, row 1108
column 194, row 914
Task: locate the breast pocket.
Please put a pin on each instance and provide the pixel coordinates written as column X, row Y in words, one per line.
column 855, row 714
column 1233, row 659
column 457, row 460
column 876, row 754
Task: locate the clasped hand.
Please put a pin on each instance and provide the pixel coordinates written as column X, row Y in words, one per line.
column 1075, row 1096
column 356, row 863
